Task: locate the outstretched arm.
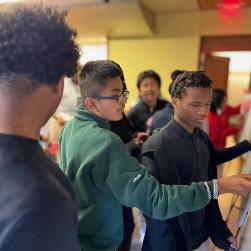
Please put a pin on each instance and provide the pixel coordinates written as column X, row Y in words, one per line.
column 132, row 185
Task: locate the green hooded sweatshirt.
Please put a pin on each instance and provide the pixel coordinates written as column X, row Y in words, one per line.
column 105, row 177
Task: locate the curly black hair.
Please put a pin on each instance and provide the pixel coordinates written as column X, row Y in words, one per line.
column 36, row 44
column 189, row 79
column 174, row 75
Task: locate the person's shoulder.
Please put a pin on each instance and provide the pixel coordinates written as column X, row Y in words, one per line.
column 159, row 114
column 68, row 126
column 106, row 138
column 153, row 143
column 114, row 140
column 52, row 182
column 162, row 101
column 33, row 203
column 36, row 174
column 139, row 106
column 203, row 134
column 165, row 112
column 104, row 134
column 29, row 185
column 88, row 129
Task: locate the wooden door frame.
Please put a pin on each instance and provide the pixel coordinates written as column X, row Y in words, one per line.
column 209, row 44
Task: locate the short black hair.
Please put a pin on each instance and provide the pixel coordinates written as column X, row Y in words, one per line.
column 218, row 97
column 122, row 77
column 36, row 47
column 189, row 79
column 94, row 75
column 148, row 74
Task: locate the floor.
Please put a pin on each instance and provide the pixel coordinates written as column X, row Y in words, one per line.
column 229, row 213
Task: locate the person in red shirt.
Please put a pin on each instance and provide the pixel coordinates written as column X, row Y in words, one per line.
column 218, row 119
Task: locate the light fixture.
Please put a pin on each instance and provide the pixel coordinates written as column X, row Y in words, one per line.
column 230, row 8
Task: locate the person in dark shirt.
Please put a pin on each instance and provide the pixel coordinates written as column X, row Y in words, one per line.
column 148, row 84
column 38, row 210
column 161, row 118
column 191, row 157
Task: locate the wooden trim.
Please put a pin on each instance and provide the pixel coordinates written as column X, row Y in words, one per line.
column 209, row 44
column 226, row 43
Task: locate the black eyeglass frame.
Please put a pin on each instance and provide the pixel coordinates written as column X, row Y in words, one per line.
column 120, row 98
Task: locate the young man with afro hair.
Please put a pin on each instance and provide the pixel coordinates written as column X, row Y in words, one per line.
column 37, row 50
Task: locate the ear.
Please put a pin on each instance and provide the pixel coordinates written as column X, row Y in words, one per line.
column 174, row 102
column 90, row 105
column 59, row 87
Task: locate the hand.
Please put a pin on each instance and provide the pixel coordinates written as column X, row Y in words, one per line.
column 59, row 119
column 236, row 184
column 141, row 137
column 149, row 122
column 233, row 241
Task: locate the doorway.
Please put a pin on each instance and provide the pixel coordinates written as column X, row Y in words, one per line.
column 227, row 61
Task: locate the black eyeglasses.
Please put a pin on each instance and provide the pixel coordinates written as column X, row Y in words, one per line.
column 121, row 99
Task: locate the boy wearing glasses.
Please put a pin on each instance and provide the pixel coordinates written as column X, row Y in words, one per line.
column 105, row 176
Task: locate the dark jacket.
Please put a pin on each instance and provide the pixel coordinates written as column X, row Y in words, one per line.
column 162, row 117
column 123, row 129
column 159, row 234
column 138, row 114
